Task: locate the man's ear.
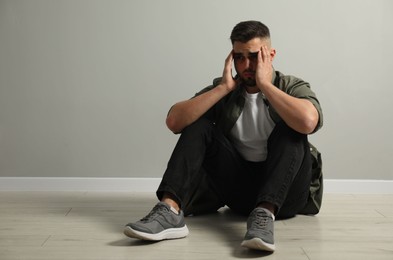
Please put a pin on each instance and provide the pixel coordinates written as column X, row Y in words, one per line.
column 272, row 53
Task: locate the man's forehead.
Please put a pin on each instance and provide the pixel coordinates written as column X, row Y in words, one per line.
column 251, row 46
column 246, row 51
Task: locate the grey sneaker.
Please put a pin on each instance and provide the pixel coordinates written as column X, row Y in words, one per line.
column 260, row 225
column 161, row 223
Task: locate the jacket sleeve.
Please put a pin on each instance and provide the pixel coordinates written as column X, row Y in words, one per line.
column 298, row 88
column 213, row 113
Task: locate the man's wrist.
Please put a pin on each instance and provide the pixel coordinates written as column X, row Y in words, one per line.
column 225, row 88
column 264, row 85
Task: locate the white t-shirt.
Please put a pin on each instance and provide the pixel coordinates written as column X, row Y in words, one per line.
column 253, row 128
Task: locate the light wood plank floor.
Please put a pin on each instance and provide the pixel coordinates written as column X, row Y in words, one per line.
column 81, row 225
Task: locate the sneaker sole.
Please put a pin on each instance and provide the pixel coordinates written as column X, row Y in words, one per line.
column 171, row 233
column 258, row 244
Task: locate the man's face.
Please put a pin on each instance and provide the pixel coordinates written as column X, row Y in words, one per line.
column 245, row 57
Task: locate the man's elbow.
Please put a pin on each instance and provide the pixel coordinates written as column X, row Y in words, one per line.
column 173, row 125
column 309, row 124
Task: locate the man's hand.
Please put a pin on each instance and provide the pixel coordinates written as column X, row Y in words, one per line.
column 264, row 70
column 184, row 113
column 299, row 114
column 227, row 79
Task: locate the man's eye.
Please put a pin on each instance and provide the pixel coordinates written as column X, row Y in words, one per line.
column 238, row 58
column 253, row 57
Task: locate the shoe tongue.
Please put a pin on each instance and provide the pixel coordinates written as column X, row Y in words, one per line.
column 174, row 211
column 268, row 212
column 169, row 207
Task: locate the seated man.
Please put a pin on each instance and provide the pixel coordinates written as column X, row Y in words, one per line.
column 243, row 144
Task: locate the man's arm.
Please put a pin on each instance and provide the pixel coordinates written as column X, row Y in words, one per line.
column 299, row 114
column 186, row 112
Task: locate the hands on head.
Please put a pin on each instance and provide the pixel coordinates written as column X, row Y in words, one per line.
column 258, row 64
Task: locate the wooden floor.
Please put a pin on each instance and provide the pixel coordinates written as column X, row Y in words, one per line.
column 78, row 225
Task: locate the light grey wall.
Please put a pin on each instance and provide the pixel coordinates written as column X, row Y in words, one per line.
column 85, row 85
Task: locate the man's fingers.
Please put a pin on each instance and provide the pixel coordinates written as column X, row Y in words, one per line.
column 260, row 58
column 227, row 78
column 267, row 54
column 228, row 60
column 228, row 63
column 263, row 54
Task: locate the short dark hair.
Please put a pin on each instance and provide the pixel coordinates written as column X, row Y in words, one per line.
column 247, row 30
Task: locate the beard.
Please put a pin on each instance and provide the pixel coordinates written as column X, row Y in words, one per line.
column 249, row 82
column 246, row 81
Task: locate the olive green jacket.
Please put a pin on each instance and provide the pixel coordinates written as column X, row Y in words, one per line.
column 226, row 112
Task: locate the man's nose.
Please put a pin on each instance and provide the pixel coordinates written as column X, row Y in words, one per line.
column 250, row 63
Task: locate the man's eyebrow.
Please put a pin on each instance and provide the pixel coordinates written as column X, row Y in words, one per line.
column 253, row 54
column 250, row 54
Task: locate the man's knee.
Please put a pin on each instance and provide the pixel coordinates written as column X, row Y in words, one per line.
column 199, row 126
column 284, row 137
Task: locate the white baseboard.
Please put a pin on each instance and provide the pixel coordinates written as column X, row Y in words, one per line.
column 358, row 186
column 150, row 185
column 78, row 184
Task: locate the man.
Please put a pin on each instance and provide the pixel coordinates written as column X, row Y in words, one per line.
column 243, row 144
